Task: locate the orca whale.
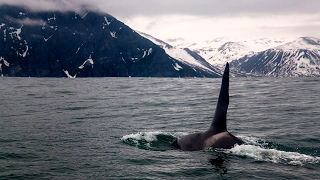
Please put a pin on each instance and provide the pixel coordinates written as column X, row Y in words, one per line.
column 217, row 135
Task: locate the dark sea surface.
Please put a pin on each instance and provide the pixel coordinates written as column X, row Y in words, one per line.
column 122, row 128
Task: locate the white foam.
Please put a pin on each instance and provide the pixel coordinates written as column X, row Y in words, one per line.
column 254, row 140
column 273, row 155
column 148, row 136
column 138, row 137
column 255, row 148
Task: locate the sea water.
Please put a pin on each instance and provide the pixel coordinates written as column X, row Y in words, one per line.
column 122, row 128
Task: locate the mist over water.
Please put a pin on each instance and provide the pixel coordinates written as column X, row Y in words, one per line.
column 122, row 128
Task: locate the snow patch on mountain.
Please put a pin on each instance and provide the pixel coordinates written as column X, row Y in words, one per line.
column 68, row 75
column 85, row 15
column 87, row 62
column 147, row 52
column 15, row 33
column 4, row 62
column 108, row 22
column 177, row 67
column 113, row 34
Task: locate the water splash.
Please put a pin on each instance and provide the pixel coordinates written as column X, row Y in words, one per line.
column 256, row 148
column 158, row 141
column 274, row 155
column 262, row 150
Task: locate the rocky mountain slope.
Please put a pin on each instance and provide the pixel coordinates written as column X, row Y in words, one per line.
column 91, row 44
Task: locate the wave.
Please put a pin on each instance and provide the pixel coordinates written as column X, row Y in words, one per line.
column 256, row 148
column 274, row 155
column 262, row 150
column 157, row 141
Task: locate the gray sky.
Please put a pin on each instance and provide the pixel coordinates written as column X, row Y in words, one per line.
column 204, row 19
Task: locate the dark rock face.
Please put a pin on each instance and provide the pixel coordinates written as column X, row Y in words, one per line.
column 93, row 44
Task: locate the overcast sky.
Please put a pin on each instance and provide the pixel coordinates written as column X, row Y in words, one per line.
column 204, row 19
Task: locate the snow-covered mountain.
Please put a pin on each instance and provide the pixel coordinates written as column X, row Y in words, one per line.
column 184, row 55
column 300, row 57
column 89, row 44
column 277, row 57
column 221, row 50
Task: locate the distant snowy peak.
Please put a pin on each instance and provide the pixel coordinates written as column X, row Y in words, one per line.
column 221, row 50
column 254, row 45
column 279, row 57
column 183, row 55
column 303, row 43
column 229, row 46
column 227, row 52
column 297, row 58
column 263, row 44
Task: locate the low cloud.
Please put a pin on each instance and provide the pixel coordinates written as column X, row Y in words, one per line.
column 198, row 20
column 175, row 39
column 125, row 8
column 49, row 5
column 26, row 21
column 210, row 8
column 197, row 28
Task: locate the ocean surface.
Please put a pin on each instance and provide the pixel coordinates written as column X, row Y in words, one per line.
column 122, row 128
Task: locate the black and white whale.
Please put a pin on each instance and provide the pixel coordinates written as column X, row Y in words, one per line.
column 217, row 135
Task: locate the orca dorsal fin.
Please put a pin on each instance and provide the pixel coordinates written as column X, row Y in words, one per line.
column 219, row 122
